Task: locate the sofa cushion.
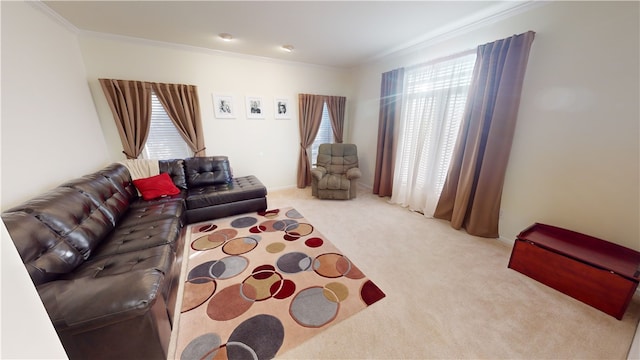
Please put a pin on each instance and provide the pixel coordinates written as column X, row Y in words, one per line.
column 158, row 257
column 241, row 188
column 207, row 171
column 73, row 216
column 334, row 182
column 140, row 203
column 175, row 169
column 156, row 186
column 103, row 193
column 45, row 255
column 126, row 238
column 120, row 177
column 94, row 302
column 143, row 211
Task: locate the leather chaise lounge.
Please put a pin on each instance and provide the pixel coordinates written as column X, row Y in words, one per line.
column 106, row 263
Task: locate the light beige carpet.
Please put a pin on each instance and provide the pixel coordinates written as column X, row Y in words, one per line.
column 449, row 295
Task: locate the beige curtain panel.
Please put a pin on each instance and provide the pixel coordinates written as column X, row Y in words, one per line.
column 310, row 117
column 336, row 107
column 130, row 103
column 473, row 188
column 182, row 105
column 390, row 108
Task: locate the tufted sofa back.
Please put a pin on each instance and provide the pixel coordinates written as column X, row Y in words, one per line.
column 175, row 169
column 45, row 254
column 56, row 231
column 337, row 158
column 207, row 171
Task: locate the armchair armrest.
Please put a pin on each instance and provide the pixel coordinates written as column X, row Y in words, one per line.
column 353, row 173
column 318, row 172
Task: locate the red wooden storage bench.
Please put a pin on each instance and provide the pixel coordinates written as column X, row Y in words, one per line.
column 594, row 271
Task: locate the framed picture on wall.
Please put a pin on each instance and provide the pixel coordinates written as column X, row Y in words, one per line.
column 223, row 107
column 255, row 107
column 282, row 109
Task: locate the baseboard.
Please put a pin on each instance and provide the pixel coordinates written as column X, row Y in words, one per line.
column 277, row 188
column 366, row 186
column 287, row 187
column 634, row 350
column 506, row 241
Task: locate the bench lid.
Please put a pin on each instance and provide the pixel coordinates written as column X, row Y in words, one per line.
column 585, row 248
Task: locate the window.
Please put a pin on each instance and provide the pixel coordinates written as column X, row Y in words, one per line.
column 324, row 136
column 164, row 140
column 435, row 96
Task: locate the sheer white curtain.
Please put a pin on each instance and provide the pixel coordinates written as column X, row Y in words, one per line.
column 434, row 96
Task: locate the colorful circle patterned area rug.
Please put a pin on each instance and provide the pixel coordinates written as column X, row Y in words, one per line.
column 258, row 284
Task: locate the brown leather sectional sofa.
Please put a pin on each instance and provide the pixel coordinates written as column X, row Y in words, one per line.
column 106, row 263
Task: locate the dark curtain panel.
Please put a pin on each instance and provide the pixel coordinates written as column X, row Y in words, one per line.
column 182, row 105
column 473, row 188
column 310, row 116
column 390, row 106
column 336, row 107
column 130, row 103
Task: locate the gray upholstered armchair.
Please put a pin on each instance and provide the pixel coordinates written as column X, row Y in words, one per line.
column 336, row 172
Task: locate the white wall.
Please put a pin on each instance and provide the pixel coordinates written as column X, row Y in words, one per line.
column 50, row 130
column 26, row 331
column 50, row 133
column 266, row 148
column 575, row 156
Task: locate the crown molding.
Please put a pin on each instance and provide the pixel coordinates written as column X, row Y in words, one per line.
column 465, row 25
column 38, row 4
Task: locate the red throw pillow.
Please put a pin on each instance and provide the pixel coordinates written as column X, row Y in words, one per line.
column 156, row 186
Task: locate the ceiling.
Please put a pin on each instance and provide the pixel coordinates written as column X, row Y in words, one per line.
column 330, row 33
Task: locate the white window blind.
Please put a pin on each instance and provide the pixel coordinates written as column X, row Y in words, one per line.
column 435, row 96
column 164, row 141
column 324, row 136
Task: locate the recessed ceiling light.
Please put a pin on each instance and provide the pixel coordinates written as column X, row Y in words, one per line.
column 288, row 48
column 226, row 37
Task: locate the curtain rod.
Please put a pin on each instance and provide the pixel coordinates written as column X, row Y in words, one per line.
column 444, row 58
